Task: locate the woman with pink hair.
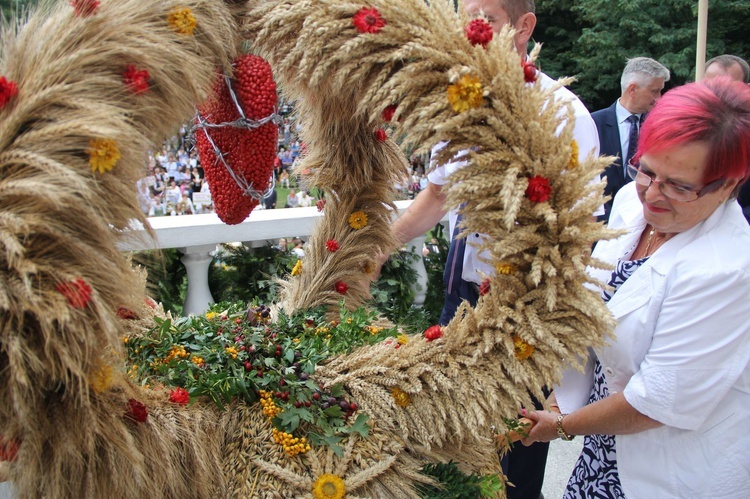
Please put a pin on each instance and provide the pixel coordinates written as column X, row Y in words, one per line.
column 665, row 406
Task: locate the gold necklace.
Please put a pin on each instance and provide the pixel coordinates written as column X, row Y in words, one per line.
column 647, row 252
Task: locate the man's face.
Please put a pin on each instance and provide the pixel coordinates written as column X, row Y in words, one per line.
column 644, row 98
column 734, row 71
column 492, row 11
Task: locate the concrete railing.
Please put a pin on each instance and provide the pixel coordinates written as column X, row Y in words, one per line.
column 197, row 237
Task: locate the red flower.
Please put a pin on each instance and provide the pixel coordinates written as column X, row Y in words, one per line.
column 150, row 302
column 380, row 135
column 538, row 190
column 77, row 292
column 479, row 32
column 529, row 71
column 388, row 112
column 332, row 245
column 137, row 80
column 136, row 411
column 179, row 396
column 368, row 20
column 8, row 90
column 433, row 333
column 126, row 313
column 8, row 449
column 484, row 288
column 85, row 8
column 320, row 204
column 341, row 287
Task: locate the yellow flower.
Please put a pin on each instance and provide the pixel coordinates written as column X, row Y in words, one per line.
column 297, row 270
column 358, row 220
column 523, row 349
column 181, row 20
column 402, row 339
column 505, row 268
column 574, row 154
column 101, row 378
column 210, row 315
column 466, row 94
column 401, row 397
column 103, row 154
column 368, row 267
column 329, row 486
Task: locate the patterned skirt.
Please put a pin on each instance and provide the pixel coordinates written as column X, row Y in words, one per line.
column 595, row 473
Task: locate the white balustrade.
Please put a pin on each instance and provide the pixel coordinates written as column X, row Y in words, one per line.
column 197, row 237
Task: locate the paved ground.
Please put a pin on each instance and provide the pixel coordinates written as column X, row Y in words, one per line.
column 562, row 457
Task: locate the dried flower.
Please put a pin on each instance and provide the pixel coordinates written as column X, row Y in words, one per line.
column 368, row 20
column 136, row 411
column 179, row 396
column 329, row 486
column 137, row 80
column 479, row 32
column 103, row 154
column 505, row 268
column 332, row 245
column 573, row 154
column 320, row 204
column 297, row 270
column 523, row 350
column 126, row 313
column 101, row 378
column 402, row 339
column 77, row 292
column 8, row 90
column 85, row 8
column 368, row 267
column 538, row 190
column 465, row 94
column 341, row 287
column 484, row 288
column 358, row 220
column 388, row 112
column 401, row 397
column 530, row 72
column 8, row 449
column 181, row 20
column 381, row 135
column 433, row 333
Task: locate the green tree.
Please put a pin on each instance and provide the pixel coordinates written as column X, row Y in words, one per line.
column 592, row 39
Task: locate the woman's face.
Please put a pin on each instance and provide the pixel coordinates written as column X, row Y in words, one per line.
column 683, row 165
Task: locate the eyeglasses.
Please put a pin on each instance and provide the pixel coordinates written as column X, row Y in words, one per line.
column 645, row 178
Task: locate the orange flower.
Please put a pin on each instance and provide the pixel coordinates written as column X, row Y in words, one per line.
column 466, row 94
column 181, row 20
column 103, row 154
column 522, row 349
column 401, row 397
column 358, row 220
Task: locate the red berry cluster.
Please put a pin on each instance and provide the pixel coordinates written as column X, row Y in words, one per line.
column 249, row 152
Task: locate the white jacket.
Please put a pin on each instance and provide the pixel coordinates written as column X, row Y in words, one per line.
column 681, row 356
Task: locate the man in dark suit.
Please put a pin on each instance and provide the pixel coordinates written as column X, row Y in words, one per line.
column 618, row 125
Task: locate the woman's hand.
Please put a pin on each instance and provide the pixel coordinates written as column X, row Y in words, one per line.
column 544, row 428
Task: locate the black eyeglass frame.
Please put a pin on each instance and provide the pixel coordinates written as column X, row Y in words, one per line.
column 634, row 170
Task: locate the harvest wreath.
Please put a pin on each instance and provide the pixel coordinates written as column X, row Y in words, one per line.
column 87, row 86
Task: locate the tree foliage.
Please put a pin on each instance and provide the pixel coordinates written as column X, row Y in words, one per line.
column 592, row 39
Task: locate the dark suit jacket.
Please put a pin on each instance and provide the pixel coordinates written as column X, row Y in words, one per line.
column 609, row 145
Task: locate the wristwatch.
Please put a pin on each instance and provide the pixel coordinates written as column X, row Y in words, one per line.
column 560, row 432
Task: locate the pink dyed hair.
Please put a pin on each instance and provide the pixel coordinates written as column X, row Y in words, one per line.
column 715, row 112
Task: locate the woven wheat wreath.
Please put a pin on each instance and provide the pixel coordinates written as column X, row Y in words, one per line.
column 87, row 85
